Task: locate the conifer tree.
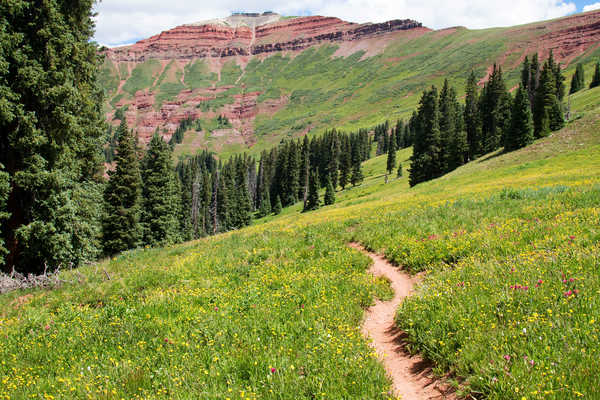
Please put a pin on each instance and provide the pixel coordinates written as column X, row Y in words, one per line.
column 265, row 204
column 304, row 169
column 448, row 111
column 357, row 176
column 277, row 207
column 345, row 163
column 596, row 78
column 399, row 173
column 495, row 108
column 425, row 163
column 521, row 127
column 578, row 80
column 399, row 134
column 558, row 77
column 161, row 199
column 391, row 157
column 122, row 197
column 4, row 190
column 52, row 127
column 547, row 111
column 241, row 206
column 472, row 118
column 526, row 73
column 312, row 201
column 292, row 174
column 329, row 193
column 534, row 78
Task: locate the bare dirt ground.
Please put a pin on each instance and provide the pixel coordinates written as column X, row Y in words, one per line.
column 411, row 376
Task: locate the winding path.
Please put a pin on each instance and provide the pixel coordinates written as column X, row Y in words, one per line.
column 410, row 374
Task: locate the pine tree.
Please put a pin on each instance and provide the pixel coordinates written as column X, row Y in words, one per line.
column 547, row 111
column 345, row 163
column 122, row 197
column 241, row 204
column 52, row 127
column 425, row 163
column 596, row 79
column 559, row 78
column 4, row 191
column 472, row 118
column 526, row 73
column 357, row 176
column 399, row 173
column 312, row 202
column 521, row 127
column 448, row 111
column 265, row 204
column 578, row 80
column 534, row 79
column 277, row 208
column 160, row 217
column 391, row 157
column 329, row 193
column 495, row 108
column 304, row 169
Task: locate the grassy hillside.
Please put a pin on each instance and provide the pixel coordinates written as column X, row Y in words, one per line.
column 324, row 86
column 509, row 304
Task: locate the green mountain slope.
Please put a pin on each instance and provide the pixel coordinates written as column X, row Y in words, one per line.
column 333, row 85
column 273, row 311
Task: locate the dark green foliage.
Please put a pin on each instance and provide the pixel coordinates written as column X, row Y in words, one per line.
column 495, row 105
column 521, row 127
column 183, row 127
column 329, row 193
column 578, row 80
column 547, row 113
column 399, row 173
column 4, row 191
column 596, row 78
column 122, row 197
column 277, row 207
column 425, row 164
column 345, row 162
column 161, row 196
column 391, row 157
column 52, row 128
column 312, row 201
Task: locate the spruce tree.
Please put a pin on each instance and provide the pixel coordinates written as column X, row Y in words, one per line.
column 547, row 110
column 399, row 173
column 357, row 176
column 277, row 207
column 52, row 127
column 304, row 168
column 265, row 204
column 495, row 105
column 345, row 163
column 521, row 127
column 312, row 201
column 160, row 217
column 448, row 111
column 578, row 80
column 4, row 191
column 425, row 164
column 329, row 193
column 596, row 78
column 472, row 118
column 391, row 157
column 121, row 227
column 241, row 205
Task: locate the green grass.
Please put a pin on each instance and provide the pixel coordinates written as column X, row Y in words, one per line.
column 273, row 311
column 142, row 76
column 198, row 75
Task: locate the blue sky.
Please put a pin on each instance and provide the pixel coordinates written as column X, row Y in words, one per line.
column 126, row 21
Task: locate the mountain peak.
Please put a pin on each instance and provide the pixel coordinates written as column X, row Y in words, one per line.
column 240, row 19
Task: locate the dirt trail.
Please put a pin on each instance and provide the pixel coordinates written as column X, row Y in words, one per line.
column 411, row 375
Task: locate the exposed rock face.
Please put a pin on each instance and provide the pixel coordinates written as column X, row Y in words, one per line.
column 217, row 39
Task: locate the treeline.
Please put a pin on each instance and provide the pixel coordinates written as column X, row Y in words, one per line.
column 147, row 202
column 448, row 134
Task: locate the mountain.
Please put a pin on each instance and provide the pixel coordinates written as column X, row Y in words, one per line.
column 275, row 76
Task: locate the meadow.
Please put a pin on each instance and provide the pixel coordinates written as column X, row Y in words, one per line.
column 508, row 308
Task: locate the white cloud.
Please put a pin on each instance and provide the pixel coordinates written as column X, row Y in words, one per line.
column 121, row 21
column 590, row 7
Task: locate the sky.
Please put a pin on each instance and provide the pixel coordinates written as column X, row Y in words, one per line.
column 126, row 21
